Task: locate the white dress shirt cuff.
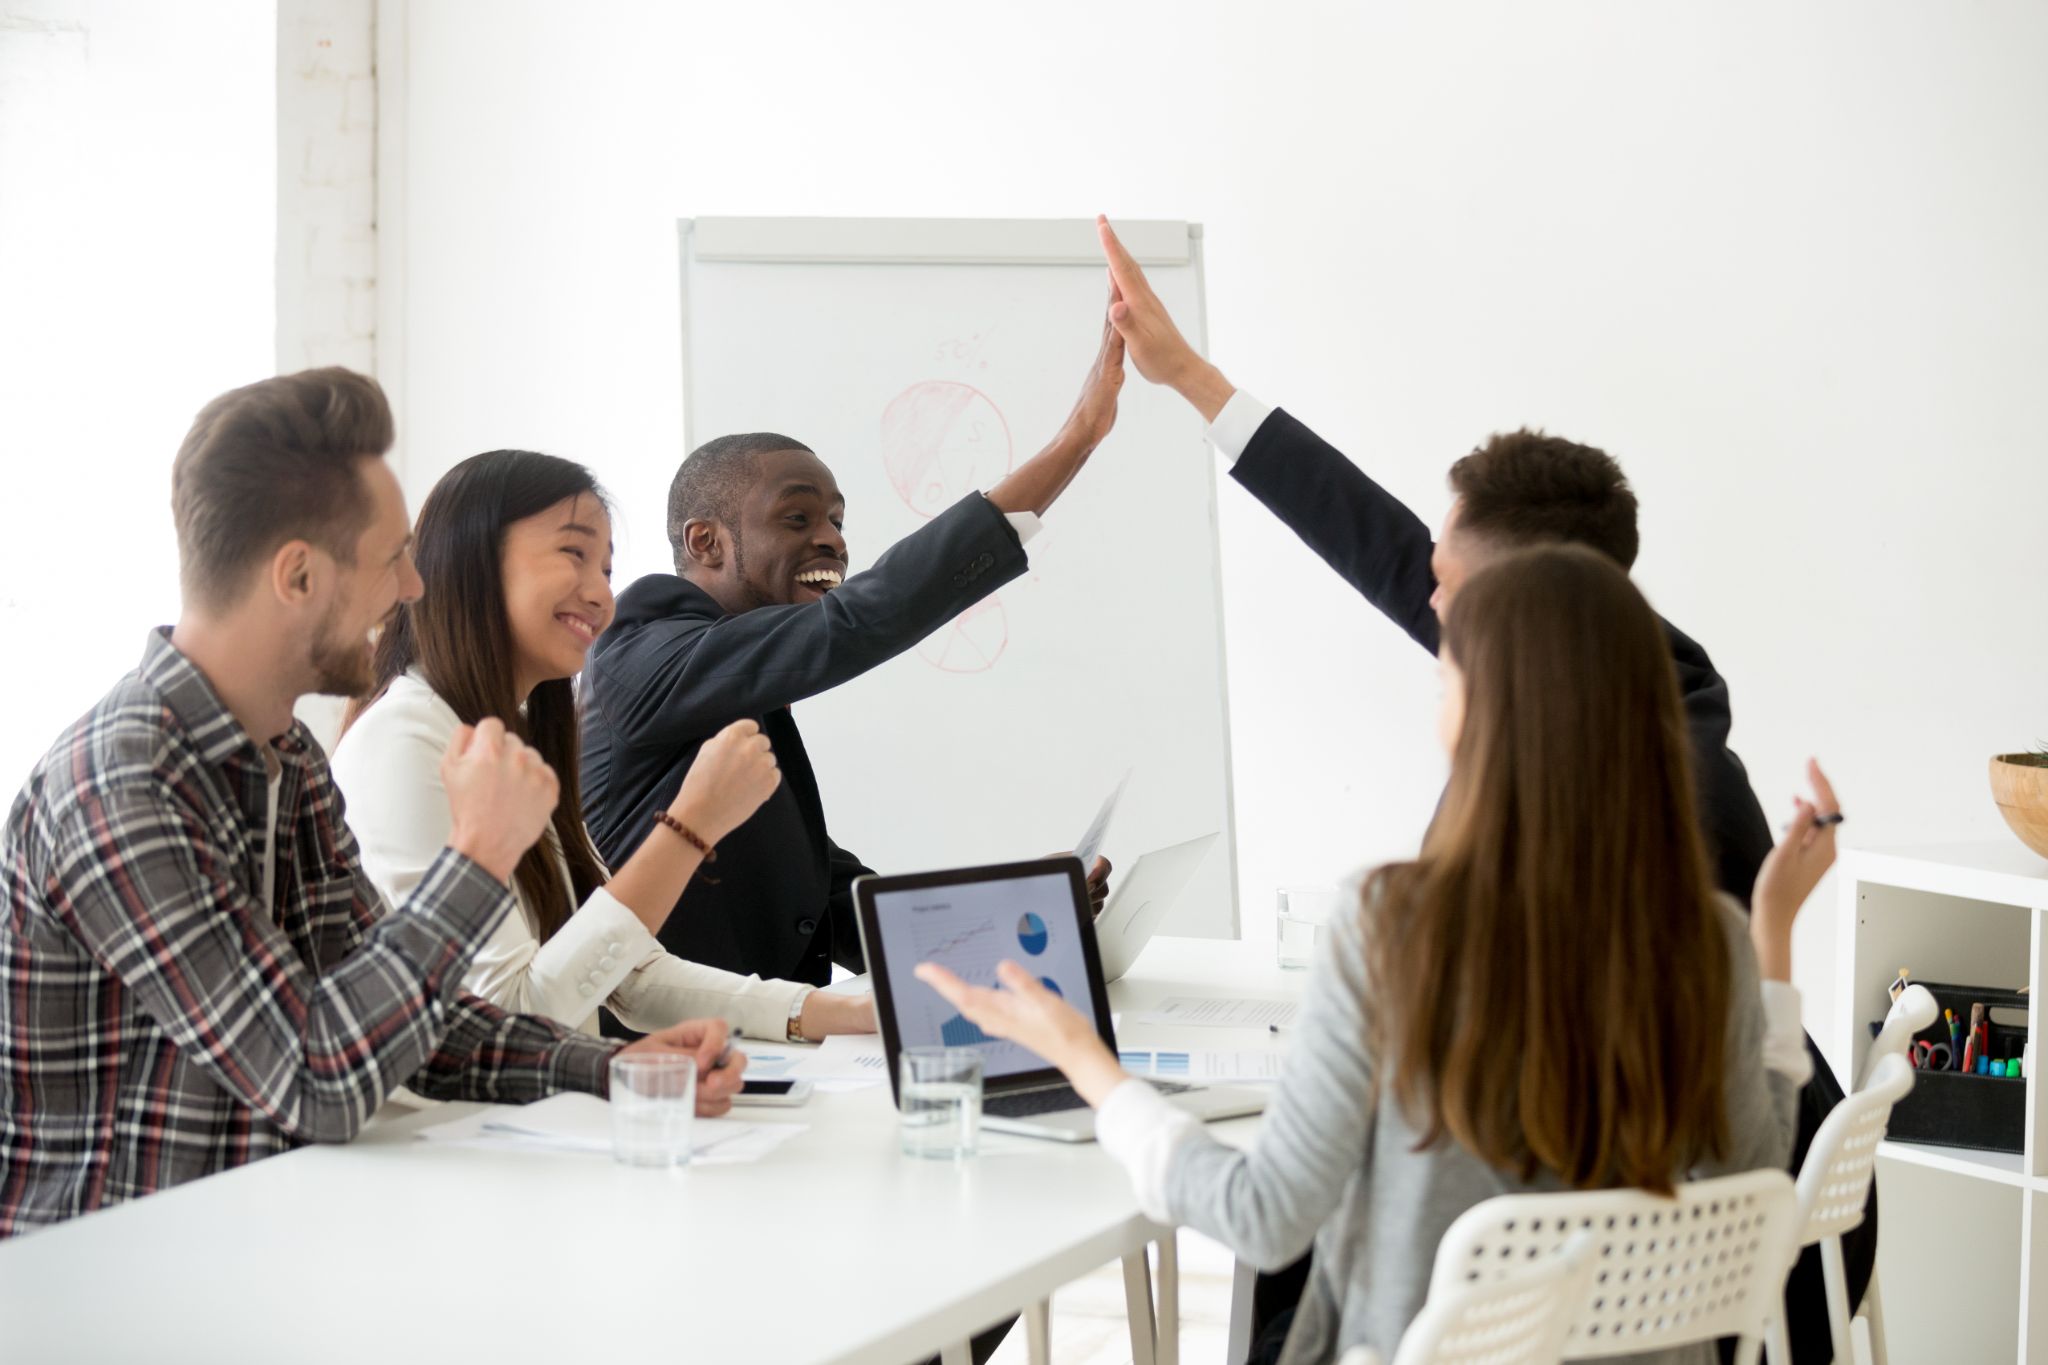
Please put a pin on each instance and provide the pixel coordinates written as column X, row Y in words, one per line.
column 1141, row 1131
column 1235, row 426
column 1025, row 524
column 1784, row 1036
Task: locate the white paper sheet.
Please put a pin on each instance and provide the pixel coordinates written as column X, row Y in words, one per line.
column 1200, row 1064
column 1222, row 1012
column 1098, row 828
column 583, row 1124
column 844, row 1057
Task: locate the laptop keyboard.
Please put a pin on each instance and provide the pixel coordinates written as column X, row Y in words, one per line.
column 1028, row 1103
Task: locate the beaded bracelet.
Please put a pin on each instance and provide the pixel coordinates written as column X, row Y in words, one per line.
column 662, row 817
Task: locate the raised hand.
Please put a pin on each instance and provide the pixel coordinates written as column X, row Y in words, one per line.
column 1037, row 483
column 1790, row 873
column 734, row 772
column 501, row 795
column 1095, row 410
column 1156, row 346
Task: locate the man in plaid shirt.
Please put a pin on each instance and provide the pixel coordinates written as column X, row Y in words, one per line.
column 194, row 970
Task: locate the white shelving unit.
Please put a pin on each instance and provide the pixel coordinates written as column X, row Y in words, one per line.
column 1963, row 1235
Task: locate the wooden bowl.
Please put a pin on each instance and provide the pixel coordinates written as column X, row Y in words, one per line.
column 2021, row 790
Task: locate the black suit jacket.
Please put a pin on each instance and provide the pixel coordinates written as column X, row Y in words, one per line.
column 1382, row 549
column 674, row 669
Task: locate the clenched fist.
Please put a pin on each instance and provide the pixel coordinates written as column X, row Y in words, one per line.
column 735, row 771
column 501, row 795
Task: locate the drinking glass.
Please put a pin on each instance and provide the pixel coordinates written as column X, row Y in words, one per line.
column 654, row 1099
column 941, row 1094
column 1304, row 923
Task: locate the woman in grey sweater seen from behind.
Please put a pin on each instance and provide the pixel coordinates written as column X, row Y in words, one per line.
column 1552, row 996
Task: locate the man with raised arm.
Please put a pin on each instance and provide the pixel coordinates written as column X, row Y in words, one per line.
column 760, row 613
column 199, row 972
column 1519, row 489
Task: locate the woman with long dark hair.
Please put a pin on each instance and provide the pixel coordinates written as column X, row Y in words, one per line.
column 1552, row 996
column 515, row 550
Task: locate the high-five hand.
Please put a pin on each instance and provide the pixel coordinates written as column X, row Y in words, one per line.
column 501, row 795
column 1037, row 483
column 1155, row 345
column 1095, row 410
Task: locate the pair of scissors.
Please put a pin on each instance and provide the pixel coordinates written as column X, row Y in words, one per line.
column 1931, row 1056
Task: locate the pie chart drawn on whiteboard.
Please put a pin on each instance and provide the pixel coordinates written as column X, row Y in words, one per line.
column 1031, row 934
column 941, row 440
column 971, row 642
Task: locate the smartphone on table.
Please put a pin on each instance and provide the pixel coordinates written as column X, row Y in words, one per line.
column 786, row 1093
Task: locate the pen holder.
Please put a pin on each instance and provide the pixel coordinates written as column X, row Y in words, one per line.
column 1961, row 1109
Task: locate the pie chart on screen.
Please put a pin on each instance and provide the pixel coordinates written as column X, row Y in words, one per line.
column 1031, row 935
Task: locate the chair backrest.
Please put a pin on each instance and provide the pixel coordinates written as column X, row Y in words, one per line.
column 1834, row 1180
column 1914, row 1010
column 1710, row 1262
column 1515, row 1319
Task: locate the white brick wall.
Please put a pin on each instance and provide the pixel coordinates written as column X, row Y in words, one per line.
column 326, row 184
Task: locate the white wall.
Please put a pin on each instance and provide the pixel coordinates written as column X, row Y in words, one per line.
column 326, row 184
column 1786, row 262
column 137, row 216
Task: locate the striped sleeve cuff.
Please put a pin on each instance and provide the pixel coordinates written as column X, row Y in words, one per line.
column 1141, row 1131
column 1784, row 1036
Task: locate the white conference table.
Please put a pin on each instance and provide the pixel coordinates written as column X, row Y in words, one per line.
column 833, row 1248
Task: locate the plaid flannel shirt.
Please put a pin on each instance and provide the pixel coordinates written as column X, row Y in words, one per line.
column 159, row 1022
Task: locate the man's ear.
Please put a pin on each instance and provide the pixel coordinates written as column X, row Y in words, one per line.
column 293, row 569
column 703, row 546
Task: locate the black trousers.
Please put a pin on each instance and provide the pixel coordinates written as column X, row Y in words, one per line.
column 1274, row 1296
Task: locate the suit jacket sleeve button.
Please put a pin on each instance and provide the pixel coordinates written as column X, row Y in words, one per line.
column 807, row 926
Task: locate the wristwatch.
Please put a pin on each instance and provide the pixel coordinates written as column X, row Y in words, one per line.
column 795, row 1033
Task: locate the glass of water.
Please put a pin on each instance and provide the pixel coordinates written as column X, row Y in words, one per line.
column 941, row 1101
column 1304, row 923
column 654, row 1099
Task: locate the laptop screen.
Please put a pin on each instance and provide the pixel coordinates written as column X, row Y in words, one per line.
column 970, row 926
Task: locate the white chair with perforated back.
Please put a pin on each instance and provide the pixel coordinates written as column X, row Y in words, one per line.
column 1710, row 1262
column 1515, row 1319
column 1834, row 1184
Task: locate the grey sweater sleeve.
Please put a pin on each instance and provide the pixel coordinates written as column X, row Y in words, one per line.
column 1762, row 1105
column 1266, row 1204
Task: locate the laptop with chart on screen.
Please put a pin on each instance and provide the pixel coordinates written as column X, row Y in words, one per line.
column 970, row 920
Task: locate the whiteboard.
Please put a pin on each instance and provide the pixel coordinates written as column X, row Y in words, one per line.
column 923, row 359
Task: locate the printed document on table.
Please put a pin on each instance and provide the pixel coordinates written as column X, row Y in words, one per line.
column 844, row 1057
column 1221, row 1012
column 574, row 1122
column 1200, row 1064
